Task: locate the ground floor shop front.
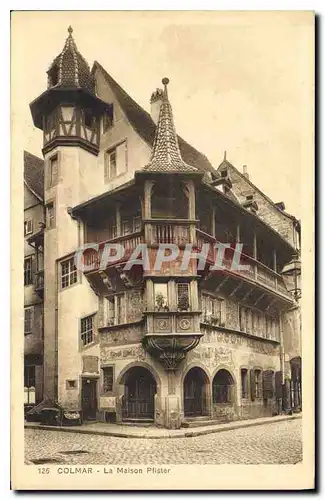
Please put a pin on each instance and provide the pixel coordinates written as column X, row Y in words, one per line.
column 213, row 382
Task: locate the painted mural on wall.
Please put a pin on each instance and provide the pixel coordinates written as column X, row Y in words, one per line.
column 260, row 346
column 211, row 356
column 122, row 335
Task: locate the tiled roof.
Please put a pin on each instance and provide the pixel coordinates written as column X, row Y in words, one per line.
column 73, row 69
column 166, row 156
column 34, row 173
column 144, row 125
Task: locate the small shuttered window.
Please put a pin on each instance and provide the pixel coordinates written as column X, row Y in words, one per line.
column 268, row 384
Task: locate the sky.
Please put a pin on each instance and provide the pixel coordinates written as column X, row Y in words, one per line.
column 239, row 82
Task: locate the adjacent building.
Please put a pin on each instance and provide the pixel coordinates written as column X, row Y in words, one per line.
column 33, row 278
column 128, row 342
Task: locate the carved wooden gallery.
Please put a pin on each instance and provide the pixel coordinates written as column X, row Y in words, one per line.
column 171, row 346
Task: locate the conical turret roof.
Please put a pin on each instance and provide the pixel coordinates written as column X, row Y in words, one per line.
column 70, row 69
column 166, row 156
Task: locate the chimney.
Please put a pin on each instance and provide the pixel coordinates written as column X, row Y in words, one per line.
column 155, row 101
column 245, row 173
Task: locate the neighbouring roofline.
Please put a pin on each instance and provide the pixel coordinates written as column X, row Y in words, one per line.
column 34, row 175
column 292, row 217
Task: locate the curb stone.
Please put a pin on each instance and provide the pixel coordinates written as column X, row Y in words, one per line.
column 180, row 434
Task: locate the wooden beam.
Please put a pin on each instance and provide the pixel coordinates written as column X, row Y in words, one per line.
column 236, row 289
column 222, row 283
column 259, row 299
column 247, row 294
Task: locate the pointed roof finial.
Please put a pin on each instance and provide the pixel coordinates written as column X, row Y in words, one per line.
column 70, row 30
column 165, row 155
column 165, row 82
column 225, row 155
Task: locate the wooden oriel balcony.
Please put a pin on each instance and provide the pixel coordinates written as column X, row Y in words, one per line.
column 256, row 272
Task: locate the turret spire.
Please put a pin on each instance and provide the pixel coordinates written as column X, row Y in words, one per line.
column 166, row 156
column 70, row 69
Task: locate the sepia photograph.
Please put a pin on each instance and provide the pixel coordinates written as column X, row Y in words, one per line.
column 160, row 166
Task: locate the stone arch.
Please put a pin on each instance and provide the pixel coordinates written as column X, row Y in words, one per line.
column 141, row 384
column 187, row 368
column 223, row 366
column 223, row 386
column 122, row 375
column 196, row 391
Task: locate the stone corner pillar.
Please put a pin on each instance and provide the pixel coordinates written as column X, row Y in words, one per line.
column 173, row 413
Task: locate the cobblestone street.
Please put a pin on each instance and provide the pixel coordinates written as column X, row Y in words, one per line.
column 275, row 443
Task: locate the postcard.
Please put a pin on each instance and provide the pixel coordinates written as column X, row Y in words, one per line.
column 163, row 329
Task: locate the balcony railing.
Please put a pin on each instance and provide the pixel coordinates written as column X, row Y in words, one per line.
column 129, row 242
column 177, row 232
column 256, row 270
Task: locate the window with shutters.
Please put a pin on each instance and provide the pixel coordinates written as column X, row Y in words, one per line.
column 244, row 383
column 110, row 165
column 28, row 271
column 211, row 309
column 256, row 384
column 268, row 384
column 115, row 309
column 115, row 161
column 108, row 379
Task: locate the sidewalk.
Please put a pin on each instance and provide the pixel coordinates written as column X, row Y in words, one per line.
column 126, row 431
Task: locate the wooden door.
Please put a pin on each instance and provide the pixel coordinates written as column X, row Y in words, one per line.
column 89, row 399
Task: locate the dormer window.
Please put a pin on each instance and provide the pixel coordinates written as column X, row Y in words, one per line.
column 224, row 173
column 249, row 197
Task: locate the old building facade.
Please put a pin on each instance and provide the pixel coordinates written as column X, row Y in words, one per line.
column 33, row 278
column 134, row 342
